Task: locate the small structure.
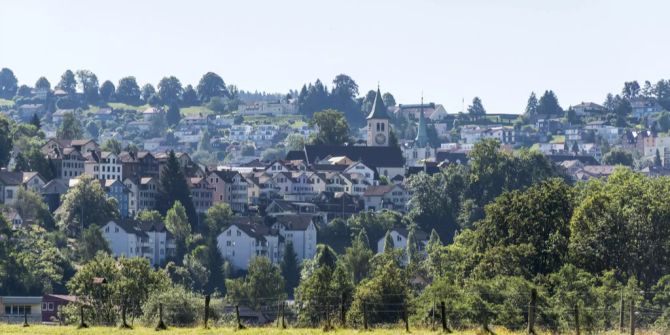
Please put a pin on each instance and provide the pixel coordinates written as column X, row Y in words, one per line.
column 15, row 308
column 51, row 306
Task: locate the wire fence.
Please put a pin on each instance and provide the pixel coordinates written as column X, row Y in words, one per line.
column 397, row 311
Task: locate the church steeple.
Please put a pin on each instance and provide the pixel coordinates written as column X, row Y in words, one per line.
column 379, row 110
column 378, row 123
column 421, row 139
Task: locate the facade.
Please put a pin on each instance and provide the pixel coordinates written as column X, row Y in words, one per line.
column 386, row 197
column 128, row 238
column 117, row 190
column 240, row 242
column 10, row 182
column 202, row 194
column 378, row 123
column 15, row 308
column 301, row 231
column 103, row 165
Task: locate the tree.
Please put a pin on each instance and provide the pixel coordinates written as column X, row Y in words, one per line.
column 388, row 242
column 294, row 141
column 128, row 91
column 657, row 159
column 389, row 100
column 5, row 141
column 173, row 188
column 90, row 243
column 129, row 283
column 8, row 83
column 30, row 206
column 262, row 286
column 89, row 86
column 548, row 105
column 211, row 85
column 476, row 109
column 70, row 128
column 93, row 129
column 23, row 91
column 107, row 91
column 43, row 83
column 216, row 280
column 83, row 205
column 333, row 128
column 356, row 259
column 176, row 222
column 343, row 98
column 35, row 121
column 190, row 97
column 289, row 268
column 531, row 106
column 173, row 115
column 218, row 218
column 112, row 145
column 618, row 156
column 170, row 90
column 631, row 90
column 147, row 92
column 68, row 83
column 385, row 294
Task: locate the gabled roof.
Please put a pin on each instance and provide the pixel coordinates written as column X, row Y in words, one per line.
column 11, row 178
column 379, row 110
column 226, row 175
column 295, row 222
column 379, row 190
column 370, row 156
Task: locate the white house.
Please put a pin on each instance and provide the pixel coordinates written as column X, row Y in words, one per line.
column 240, row 242
column 399, row 236
column 128, row 238
column 103, row 165
column 386, row 196
column 301, row 231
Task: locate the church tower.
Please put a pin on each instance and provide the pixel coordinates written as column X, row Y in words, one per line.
column 378, row 123
column 421, row 140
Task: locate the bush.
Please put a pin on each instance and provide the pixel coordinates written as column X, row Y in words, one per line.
column 181, row 307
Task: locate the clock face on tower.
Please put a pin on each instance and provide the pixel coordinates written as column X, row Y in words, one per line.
column 380, row 139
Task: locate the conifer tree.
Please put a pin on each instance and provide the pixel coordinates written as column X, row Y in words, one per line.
column 290, row 269
column 173, row 187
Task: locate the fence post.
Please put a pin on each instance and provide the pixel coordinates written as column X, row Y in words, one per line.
column 283, row 320
column 124, row 324
column 531, row 311
column 343, row 317
column 279, row 306
column 365, row 315
column 82, row 324
column 327, row 312
column 621, row 313
column 25, row 317
column 443, row 309
column 404, row 317
column 237, row 317
column 576, row 319
column 432, row 316
column 60, row 315
column 161, row 324
column 632, row 316
column 207, row 299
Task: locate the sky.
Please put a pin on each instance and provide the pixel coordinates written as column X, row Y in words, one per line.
column 449, row 50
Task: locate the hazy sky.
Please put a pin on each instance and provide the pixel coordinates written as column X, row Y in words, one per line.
column 450, row 50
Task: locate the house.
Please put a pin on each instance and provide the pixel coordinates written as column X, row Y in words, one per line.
column 142, row 194
column 432, row 111
column 33, row 181
column 380, row 197
column 471, row 134
column 13, row 218
column 52, row 304
column 278, row 207
column 9, row 186
column 26, row 111
column 15, row 308
column 201, row 193
column 138, row 164
column 242, row 241
column 400, row 238
column 117, row 190
column 301, row 231
column 643, row 107
column 129, row 238
column 52, row 191
column 151, row 112
column 104, row 115
column 57, row 116
column 103, row 165
column 589, row 109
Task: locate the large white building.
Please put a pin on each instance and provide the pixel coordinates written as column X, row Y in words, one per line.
column 129, row 238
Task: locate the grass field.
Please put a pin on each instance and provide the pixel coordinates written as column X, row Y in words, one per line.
column 57, row 330
column 120, row 105
column 6, row 103
column 196, row 110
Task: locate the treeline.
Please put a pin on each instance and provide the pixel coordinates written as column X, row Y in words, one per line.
column 211, row 91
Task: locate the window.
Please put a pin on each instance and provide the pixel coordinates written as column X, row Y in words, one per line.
column 10, row 194
column 106, row 229
column 229, row 243
column 116, row 229
column 239, row 233
column 399, row 238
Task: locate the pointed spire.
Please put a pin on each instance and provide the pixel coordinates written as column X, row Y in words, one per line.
column 421, row 139
column 379, row 110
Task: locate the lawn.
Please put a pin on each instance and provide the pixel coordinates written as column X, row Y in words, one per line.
column 6, row 103
column 196, row 110
column 120, row 105
column 59, row 330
